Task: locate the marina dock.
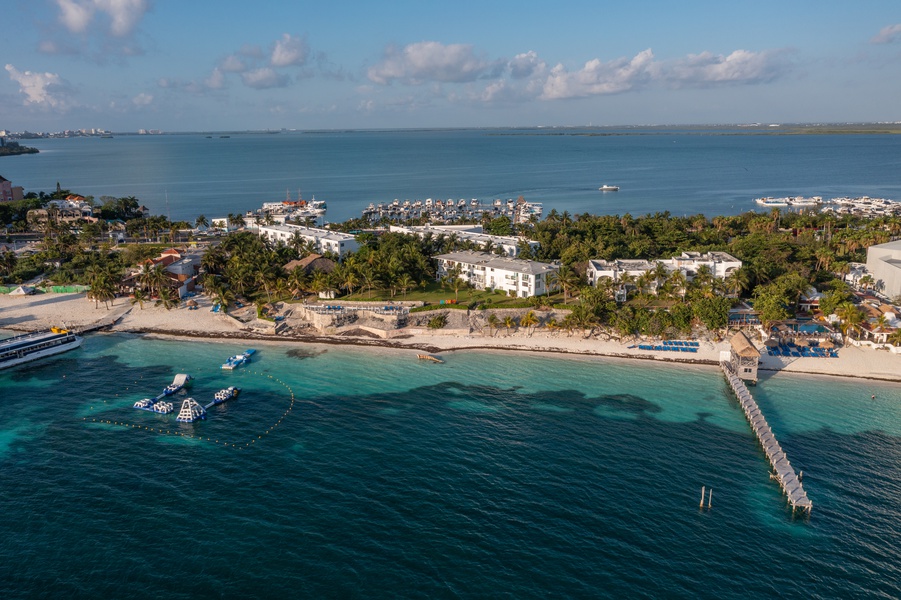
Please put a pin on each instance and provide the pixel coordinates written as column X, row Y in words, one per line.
column 783, row 472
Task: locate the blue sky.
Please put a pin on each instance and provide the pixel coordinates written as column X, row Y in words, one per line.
column 187, row 65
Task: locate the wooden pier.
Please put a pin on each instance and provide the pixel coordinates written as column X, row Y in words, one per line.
column 783, row 472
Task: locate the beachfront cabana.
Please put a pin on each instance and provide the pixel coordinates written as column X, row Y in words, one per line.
column 744, row 357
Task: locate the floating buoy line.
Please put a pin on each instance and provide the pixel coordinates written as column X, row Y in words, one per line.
column 169, row 431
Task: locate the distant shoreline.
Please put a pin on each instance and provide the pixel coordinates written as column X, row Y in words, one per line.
column 583, row 130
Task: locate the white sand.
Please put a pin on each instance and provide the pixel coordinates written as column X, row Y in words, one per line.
column 29, row 313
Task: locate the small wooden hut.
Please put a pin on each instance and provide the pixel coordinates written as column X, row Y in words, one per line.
column 744, row 357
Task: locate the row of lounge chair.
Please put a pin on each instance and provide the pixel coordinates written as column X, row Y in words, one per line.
column 667, row 348
column 815, row 352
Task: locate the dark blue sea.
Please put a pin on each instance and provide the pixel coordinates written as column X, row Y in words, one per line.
column 363, row 473
column 683, row 171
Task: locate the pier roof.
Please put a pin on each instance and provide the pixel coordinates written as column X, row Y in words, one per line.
column 743, row 346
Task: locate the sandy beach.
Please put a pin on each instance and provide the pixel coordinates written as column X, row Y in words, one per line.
column 74, row 311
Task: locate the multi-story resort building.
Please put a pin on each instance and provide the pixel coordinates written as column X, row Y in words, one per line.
column 470, row 233
column 721, row 265
column 884, row 264
column 483, row 271
column 323, row 240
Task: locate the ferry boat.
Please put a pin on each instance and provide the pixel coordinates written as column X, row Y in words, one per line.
column 609, row 188
column 33, row 346
column 237, row 360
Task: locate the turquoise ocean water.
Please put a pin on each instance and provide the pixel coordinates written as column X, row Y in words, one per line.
column 493, row 475
column 683, row 171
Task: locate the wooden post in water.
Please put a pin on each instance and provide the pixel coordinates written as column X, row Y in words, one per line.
column 703, row 489
column 710, row 498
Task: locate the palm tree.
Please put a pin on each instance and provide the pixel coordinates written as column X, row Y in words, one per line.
column 529, row 321
column 493, row 321
column 224, row 296
column 704, row 279
column 102, row 290
column 895, row 338
column 627, row 280
column 405, row 282
column 139, row 297
column 457, row 283
column 265, row 275
column 509, row 322
column 679, row 282
column 298, row 281
column 322, row 282
column 851, row 317
column 553, row 325
column 565, row 277
column 201, row 221
column 167, row 299
column 369, row 278
column 153, row 278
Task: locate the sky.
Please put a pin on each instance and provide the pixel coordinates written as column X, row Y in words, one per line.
column 229, row 65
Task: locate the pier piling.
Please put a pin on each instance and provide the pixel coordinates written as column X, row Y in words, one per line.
column 783, row 472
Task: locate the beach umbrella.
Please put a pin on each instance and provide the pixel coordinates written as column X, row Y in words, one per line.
column 771, row 343
column 191, row 302
column 827, row 344
column 800, row 342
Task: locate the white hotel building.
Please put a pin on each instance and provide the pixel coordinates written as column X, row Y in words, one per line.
column 488, row 271
column 323, row 240
column 721, row 265
column 470, row 233
column 884, row 264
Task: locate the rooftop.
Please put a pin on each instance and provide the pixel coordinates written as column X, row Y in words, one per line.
column 517, row 265
column 743, row 346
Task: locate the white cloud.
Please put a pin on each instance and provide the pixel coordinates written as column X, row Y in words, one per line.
column 887, row 35
column 233, row 64
column 289, row 51
column 263, row 78
column 525, row 65
column 740, row 66
column 430, row 61
column 598, row 78
column 74, row 15
column 216, row 80
column 42, row 89
column 142, row 99
column 123, row 15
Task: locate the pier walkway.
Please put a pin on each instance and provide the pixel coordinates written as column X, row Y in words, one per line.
column 783, row 472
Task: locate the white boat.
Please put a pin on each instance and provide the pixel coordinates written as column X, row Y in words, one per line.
column 33, row 346
column 767, row 201
column 237, row 360
column 609, row 188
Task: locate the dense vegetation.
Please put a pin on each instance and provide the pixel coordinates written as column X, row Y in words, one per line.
column 8, row 148
column 784, row 254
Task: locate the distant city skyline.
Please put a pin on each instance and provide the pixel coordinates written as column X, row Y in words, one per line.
column 125, row 65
